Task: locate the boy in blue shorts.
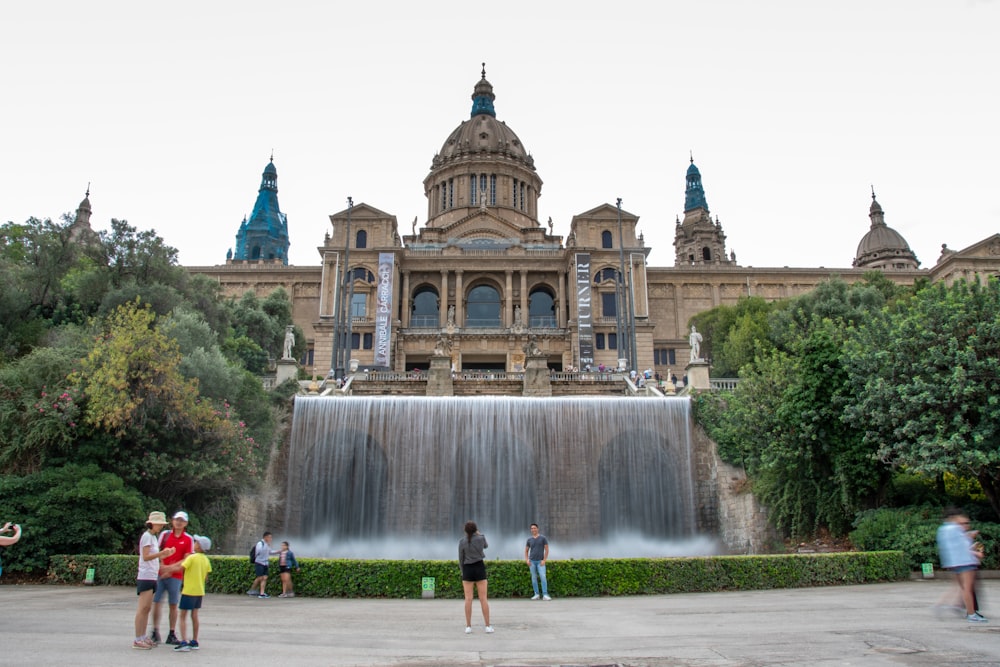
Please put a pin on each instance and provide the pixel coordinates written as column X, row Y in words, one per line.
column 196, row 568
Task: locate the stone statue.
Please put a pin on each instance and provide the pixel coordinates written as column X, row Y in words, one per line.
column 451, row 315
column 517, row 316
column 550, row 225
column 531, row 348
column 414, row 225
column 229, row 254
column 289, row 342
column 694, row 340
column 442, row 348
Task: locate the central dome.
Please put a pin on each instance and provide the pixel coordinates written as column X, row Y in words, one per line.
column 483, row 134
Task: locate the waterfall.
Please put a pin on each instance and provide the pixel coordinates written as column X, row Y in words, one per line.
column 412, row 470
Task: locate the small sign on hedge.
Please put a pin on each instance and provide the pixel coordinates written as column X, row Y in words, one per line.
column 427, row 585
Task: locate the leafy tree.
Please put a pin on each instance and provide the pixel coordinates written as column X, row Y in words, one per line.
column 927, row 376
column 70, row 509
column 783, row 421
column 734, row 334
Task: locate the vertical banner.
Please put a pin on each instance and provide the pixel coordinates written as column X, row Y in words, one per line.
column 383, row 308
column 585, row 323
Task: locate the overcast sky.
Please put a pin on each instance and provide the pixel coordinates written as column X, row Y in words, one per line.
column 793, row 111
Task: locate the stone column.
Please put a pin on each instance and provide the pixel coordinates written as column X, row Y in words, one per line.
column 443, row 299
column 404, row 315
column 459, row 299
column 561, row 301
column 524, row 298
column 508, row 299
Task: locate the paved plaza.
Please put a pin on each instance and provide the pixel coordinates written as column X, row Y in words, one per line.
column 878, row 624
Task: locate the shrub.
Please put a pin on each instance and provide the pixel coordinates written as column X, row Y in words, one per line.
column 913, row 530
column 509, row 579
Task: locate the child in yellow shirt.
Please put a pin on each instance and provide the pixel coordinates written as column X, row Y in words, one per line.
column 196, row 568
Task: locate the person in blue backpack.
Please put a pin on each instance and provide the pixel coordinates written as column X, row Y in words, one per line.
column 262, row 553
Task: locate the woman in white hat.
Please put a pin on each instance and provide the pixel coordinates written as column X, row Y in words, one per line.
column 149, row 571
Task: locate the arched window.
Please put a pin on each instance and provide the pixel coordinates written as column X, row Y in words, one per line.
column 541, row 309
column 425, row 308
column 255, row 253
column 493, row 190
column 706, row 254
column 361, row 273
column 473, row 187
column 362, row 239
column 483, row 307
column 606, row 241
column 605, row 275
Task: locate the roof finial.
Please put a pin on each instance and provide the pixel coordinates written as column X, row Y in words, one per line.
column 873, row 192
column 691, row 153
column 272, row 155
column 484, row 71
column 88, row 189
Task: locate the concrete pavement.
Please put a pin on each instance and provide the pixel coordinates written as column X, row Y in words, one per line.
column 878, row 624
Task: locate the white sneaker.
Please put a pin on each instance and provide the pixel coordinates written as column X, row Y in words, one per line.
column 489, row 629
column 546, row 598
column 468, row 630
column 975, row 618
column 534, row 597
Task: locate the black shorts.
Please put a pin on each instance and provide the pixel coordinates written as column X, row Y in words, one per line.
column 284, row 568
column 474, row 571
column 143, row 585
column 260, row 570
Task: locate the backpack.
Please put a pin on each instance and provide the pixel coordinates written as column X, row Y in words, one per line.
column 253, row 554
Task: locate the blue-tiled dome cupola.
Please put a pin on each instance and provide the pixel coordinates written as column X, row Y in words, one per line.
column 264, row 235
column 694, row 195
column 697, row 239
column 482, row 97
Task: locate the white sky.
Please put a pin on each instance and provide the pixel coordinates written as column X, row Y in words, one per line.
column 793, row 110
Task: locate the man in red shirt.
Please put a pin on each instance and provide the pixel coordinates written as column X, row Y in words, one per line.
column 171, row 584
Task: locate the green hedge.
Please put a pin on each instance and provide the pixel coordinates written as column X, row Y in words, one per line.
column 508, row 579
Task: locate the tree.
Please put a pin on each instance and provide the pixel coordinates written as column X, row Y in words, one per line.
column 927, row 376
column 783, row 421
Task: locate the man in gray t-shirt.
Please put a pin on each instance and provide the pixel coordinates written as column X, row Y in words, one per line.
column 536, row 552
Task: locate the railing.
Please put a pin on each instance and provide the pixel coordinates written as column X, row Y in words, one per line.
column 593, row 376
column 391, row 376
column 723, row 384
column 424, row 321
column 542, row 322
column 488, row 376
column 482, row 323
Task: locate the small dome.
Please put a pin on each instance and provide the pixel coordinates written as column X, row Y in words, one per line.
column 883, row 247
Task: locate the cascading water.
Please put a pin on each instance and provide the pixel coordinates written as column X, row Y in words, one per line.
column 397, row 477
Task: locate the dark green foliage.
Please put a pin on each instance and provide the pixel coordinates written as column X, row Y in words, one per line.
column 927, row 379
column 784, row 424
column 510, row 579
column 913, row 530
column 72, row 509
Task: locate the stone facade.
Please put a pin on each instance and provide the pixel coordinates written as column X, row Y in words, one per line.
column 485, row 271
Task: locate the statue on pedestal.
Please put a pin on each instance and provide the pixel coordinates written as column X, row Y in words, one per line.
column 694, row 340
column 289, row 342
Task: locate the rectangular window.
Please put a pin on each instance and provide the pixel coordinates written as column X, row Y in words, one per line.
column 451, row 192
column 522, row 196
column 358, row 305
column 367, row 341
column 612, row 341
column 472, row 190
column 609, row 304
column 355, row 341
column 515, row 193
column 664, row 357
column 599, row 341
column 444, row 197
column 493, row 190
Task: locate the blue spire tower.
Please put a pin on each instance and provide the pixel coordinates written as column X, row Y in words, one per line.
column 698, row 240
column 264, row 236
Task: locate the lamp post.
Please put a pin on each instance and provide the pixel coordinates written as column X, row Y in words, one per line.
column 341, row 324
column 622, row 296
column 348, row 343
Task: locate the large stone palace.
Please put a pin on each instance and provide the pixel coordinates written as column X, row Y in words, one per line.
column 484, row 273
